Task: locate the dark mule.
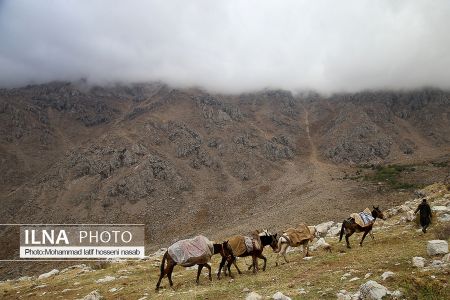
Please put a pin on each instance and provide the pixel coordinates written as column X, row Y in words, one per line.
column 266, row 238
column 167, row 270
column 349, row 226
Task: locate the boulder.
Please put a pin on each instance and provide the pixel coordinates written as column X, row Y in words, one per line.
column 439, row 208
column 94, row 295
column 410, row 216
column 322, row 228
column 343, row 295
column 335, row 230
column 253, row 296
column 436, row 247
column 418, row 262
column 372, row 290
column 48, row 274
column 280, row 296
column 387, row 275
column 446, row 258
column 444, row 218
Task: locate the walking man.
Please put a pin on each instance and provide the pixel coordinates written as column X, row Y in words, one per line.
column 425, row 214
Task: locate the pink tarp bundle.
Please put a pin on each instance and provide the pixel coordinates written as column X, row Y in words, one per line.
column 189, row 252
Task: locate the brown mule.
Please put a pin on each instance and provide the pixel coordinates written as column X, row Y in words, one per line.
column 266, row 239
column 349, row 226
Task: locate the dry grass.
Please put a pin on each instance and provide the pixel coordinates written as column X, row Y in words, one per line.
column 391, row 250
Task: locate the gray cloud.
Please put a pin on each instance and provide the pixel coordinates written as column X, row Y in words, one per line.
column 228, row 46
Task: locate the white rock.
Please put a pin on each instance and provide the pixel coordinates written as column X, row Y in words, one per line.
column 94, row 295
column 436, row 247
column 105, row 279
column 335, row 230
column 396, row 294
column 439, row 208
column 446, row 258
column 353, row 279
column 48, row 274
column 372, row 290
column 280, row 296
column 343, row 295
column 143, row 298
column 444, row 218
column 418, row 262
column 410, row 216
column 24, row 278
column 387, row 275
column 253, row 296
column 307, row 258
column 367, row 275
column 323, row 228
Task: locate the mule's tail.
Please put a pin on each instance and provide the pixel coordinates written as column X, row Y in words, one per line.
column 342, row 231
column 163, row 262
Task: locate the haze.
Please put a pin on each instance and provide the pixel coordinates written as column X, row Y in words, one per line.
column 228, row 46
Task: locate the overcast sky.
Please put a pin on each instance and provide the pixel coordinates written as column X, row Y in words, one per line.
column 228, row 46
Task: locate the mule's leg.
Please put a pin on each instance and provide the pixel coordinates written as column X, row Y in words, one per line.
column 255, row 263
column 347, row 235
column 264, row 259
column 199, row 270
column 209, row 270
column 307, row 249
column 234, row 263
column 222, row 263
column 169, row 274
column 363, row 237
column 161, row 276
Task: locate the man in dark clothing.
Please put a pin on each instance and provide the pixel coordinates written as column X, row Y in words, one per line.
column 425, row 214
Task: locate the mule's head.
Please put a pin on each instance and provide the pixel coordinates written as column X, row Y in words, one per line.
column 377, row 213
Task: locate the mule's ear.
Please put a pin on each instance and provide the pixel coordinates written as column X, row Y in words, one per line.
column 374, row 206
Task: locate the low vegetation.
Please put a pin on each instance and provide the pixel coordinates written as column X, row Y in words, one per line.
column 322, row 277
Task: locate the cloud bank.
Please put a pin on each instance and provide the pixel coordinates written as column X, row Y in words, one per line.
column 228, row 46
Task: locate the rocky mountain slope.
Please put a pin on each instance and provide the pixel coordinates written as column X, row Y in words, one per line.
column 400, row 263
column 185, row 161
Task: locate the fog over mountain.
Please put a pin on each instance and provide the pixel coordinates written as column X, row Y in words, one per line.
column 228, row 46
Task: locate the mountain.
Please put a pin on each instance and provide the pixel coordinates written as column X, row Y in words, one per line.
column 184, row 161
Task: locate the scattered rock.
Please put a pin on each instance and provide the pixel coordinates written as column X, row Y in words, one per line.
column 307, row 258
column 48, row 274
column 253, row 296
column 397, row 294
column 94, row 295
column 444, row 218
column 446, row 258
column 343, row 295
column 280, row 296
column 439, row 208
column 24, row 278
column 372, row 290
column 387, row 275
column 410, row 216
column 354, row 279
column 105, row 279
column 246, row 290
column 367, row 275
column 418, row 262
column 322, row 228
column 436, row 247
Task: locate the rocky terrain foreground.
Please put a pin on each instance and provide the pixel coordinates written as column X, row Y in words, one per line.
column 400, row 263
